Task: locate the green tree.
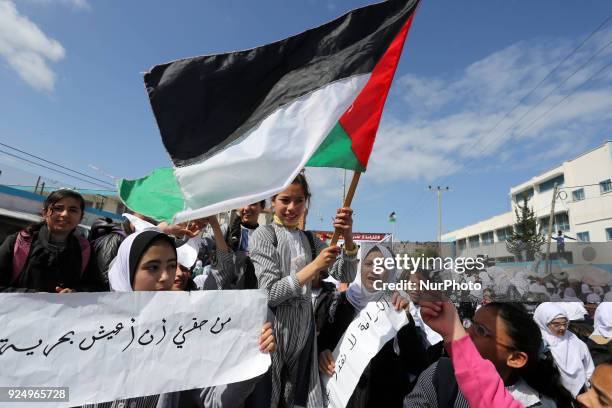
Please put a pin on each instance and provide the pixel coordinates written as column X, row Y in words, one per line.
column 525, row 240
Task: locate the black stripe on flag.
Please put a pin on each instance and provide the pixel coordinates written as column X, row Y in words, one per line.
column 205, row 104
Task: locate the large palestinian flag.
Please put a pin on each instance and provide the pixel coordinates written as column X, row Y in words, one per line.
column 240, row 126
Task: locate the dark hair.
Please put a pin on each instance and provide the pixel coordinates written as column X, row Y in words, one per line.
column 301, row 180
column 53, row 198
column 141, row 244
column 540, row 372
column 262, row 203
column 60, row 194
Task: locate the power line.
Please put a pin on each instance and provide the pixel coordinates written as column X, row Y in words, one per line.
column 479, row 140
column 50, row 168
column 559, row 86
column 566, row 97
column 56, row 164
column 568, row 56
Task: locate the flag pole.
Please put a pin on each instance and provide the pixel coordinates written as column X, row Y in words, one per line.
column 347, row 203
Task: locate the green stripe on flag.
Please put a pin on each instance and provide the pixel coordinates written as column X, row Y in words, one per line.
column 336, row 151
column 157, row 195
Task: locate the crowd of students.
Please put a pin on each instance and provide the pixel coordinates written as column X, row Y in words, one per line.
column 506, row 358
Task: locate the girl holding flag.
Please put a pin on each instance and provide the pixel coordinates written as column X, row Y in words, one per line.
column 286, row 261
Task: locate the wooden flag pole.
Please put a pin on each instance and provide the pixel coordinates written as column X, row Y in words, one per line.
column 347, row 203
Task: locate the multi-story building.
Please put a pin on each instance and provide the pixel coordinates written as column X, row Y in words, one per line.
column 583, row 209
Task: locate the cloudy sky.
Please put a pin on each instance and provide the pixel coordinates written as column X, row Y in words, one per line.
column 485, row 96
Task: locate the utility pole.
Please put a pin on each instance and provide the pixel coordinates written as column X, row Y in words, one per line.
column 550, row 231
column 37, row 182
column 439, row 190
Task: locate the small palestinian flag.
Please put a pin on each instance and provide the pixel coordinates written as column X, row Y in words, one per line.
column 392, row 217
column 240, row 126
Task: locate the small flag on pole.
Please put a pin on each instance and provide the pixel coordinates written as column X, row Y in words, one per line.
column 392, row 217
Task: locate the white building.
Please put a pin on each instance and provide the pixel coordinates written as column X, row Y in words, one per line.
column 583, row 209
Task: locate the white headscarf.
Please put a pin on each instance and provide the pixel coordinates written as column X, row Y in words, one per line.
column 485, row 280
column 569, row 295
column 593, row 298
column 119, row 275
column 574, row 310
column 603, row 320
column 520, row 282
column 501, row 279
column 186, row 255
column 566, row 350
column 356, row 294
column 585, row 288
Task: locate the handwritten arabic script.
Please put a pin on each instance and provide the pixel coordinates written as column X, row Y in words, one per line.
column 376, row 324
column 87, row 343
column 109, row 338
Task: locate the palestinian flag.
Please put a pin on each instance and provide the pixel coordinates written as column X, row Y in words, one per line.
column 240, row 126
column 157, row 195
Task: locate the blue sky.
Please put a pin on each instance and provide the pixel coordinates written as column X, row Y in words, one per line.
column 71, row 91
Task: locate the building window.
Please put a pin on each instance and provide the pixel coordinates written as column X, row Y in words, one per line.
column 605, row 186
column 487, row 238
column 562, row 222
column 578, row 195
column 609, row 233
column 461, row 244
column 518, row 197
column 504, row 234
column 583, row 236
column 474, row 241
column 550, row 184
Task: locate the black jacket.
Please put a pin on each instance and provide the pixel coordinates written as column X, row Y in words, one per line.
column 106, row 249
column 48, row 266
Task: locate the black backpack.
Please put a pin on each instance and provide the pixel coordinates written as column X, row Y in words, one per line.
column 101, row 228
column 445, row 383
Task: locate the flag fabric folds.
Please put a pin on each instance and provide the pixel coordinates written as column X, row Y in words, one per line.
column 156, row 195
column 240, row 126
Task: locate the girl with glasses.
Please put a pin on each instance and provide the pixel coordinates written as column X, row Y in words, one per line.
column 570, row 353
column 498, row 362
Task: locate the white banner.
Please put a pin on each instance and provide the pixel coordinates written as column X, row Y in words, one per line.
column 106, row 346
column 377, row 323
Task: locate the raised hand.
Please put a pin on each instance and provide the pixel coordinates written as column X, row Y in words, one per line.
column 344, row 224
column 443, row 318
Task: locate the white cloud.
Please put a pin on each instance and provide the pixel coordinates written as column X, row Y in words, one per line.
column 455, row 119
column 77, row 4
column 27, row 49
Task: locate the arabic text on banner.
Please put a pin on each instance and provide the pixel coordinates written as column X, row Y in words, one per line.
column 377, row 323
column 106, row 346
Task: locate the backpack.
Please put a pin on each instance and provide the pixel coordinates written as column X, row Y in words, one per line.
column 445, row 383
column 22, row 247
column 100, row 229
column 309, row 236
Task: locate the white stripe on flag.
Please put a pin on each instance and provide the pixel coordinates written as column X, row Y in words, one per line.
column 269, row 158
